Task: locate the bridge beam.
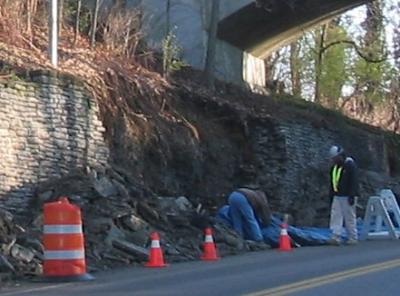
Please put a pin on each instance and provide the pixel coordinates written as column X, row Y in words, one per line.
column 262, row 29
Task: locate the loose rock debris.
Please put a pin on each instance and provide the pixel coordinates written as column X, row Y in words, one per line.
column 118, row 218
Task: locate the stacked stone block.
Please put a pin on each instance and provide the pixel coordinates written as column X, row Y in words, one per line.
column 49, row 126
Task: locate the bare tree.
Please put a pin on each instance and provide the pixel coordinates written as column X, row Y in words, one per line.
column 396, row 40
column 320, row 42
column 295, row 75
column 29, row 17
column 168, row 11
column 60, row 16
column 77, row 19
column 31, row 8
column 94, row 23
column 121, row 30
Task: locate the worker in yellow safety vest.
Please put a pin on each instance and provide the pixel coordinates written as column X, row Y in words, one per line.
column 343, row 193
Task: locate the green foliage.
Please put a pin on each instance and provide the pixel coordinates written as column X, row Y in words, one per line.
column 373, row 78
column 171, row 54
column 334, row 70
column 347, row 61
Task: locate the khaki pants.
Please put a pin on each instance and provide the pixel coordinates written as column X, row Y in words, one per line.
column 341, row 212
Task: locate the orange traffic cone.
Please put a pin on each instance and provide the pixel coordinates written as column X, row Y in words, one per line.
column 209, row 248
column 156, row 254
column 284, row 239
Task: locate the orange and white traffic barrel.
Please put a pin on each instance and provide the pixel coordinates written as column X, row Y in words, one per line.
column 64, row 246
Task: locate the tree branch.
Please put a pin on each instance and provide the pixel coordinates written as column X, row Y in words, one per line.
column 354, row 45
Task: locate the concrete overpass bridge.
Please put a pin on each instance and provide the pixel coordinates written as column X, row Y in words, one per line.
column 262, row 27
column 248, row 30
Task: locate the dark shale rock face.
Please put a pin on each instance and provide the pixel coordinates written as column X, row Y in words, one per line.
column 293, row 166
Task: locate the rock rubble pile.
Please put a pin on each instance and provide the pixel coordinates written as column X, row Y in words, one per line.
column 118, row 218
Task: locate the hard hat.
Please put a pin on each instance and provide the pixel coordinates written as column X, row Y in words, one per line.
column 335, row 151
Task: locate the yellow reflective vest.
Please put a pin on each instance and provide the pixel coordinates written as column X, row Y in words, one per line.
column 336, row 174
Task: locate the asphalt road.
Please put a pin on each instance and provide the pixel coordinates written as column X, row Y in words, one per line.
column 370, row 268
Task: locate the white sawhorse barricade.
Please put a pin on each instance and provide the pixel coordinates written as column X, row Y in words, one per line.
column 383, row 212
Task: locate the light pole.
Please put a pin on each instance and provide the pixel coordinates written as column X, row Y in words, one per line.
column 53, row 40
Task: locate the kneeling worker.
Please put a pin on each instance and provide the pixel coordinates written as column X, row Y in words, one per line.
column 249, row 209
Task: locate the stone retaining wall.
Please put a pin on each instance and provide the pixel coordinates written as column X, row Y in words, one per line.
column 49, row 126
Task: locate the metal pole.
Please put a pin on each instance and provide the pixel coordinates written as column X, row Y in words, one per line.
column 53, row 32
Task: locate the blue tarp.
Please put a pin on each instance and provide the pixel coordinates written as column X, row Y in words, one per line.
column 304, row 236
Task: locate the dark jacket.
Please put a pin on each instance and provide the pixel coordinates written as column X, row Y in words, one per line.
column 348, row 182
column 259, row 203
